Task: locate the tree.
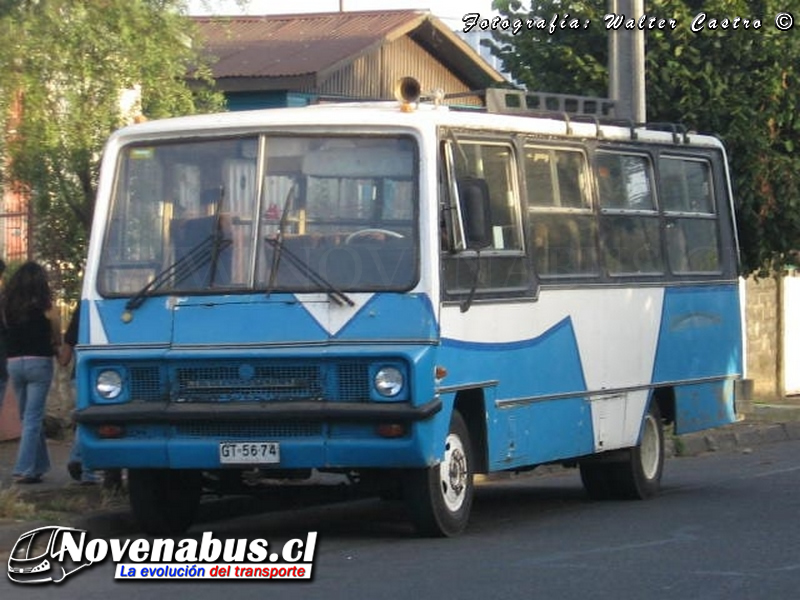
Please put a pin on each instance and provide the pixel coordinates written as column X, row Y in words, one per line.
column 67, row 64
column 741, row 84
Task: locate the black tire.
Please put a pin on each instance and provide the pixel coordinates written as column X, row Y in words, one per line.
column 639, row 476
column 439, row 498
column 164, row 501
column 633, row 473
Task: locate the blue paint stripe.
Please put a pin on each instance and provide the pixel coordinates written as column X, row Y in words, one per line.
column 547, row 364
column 528, row 343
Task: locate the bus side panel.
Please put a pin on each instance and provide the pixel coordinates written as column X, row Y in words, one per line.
column 700, row 340
column 521, row 429
column 539, row 433
column 704, row 406
column 558, row 429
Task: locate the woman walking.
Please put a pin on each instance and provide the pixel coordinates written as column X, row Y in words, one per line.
column 32, row 339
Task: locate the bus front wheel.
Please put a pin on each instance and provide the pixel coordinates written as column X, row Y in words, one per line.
column 439, row 498
column 164, row 501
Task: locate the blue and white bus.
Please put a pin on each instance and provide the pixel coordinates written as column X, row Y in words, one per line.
column 407, row 292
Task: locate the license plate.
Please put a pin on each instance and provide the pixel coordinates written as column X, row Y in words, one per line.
column 249, row 453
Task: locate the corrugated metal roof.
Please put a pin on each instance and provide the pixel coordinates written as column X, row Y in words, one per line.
column 276, row 46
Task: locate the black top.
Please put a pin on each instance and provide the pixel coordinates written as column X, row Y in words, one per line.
column 3, row 355
column 71, row 334
column 31, row 337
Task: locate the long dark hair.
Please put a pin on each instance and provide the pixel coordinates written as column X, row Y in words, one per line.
column 27, row 291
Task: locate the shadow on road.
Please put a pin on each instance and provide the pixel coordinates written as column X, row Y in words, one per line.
column 345, row 512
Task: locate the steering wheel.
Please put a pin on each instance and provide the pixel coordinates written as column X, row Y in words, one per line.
column 369, row 231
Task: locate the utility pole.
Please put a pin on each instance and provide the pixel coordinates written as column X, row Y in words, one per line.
column 626, row 63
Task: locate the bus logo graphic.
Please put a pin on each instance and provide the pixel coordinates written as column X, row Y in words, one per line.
column 38, row 556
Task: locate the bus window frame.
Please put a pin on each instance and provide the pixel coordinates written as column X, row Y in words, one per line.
column 587, row 188
column 454, row 253
column 714, row 216
column 606, row 215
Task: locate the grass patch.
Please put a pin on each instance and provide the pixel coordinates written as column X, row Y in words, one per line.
column 54, row 505
column 677, row 442
column 14, row 506
column 78, row 500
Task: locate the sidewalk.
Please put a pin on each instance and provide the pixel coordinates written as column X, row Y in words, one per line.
column 764, row 424
column 59, row 500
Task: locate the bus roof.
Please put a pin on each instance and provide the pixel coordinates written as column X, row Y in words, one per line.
column 381, row 116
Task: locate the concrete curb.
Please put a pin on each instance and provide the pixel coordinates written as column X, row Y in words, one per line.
column 734, row 439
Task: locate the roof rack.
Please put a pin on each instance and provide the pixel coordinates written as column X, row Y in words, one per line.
column 522, row 102
column 569, row 108
column 678, row 130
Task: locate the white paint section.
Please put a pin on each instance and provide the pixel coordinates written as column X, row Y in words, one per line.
column 616, row 329
column 617, row 419
column 617, row 332
column 791, row 334
column 330, row 315
column 97, row 333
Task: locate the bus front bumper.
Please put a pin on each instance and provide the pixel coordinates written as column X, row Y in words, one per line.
column 172, row 413
column 148, row 434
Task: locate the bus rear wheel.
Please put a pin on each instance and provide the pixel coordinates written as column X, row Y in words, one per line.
column 164, row 501
column 439, row 498
column 633, row 473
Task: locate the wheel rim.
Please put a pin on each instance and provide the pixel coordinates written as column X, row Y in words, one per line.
column 650, row 448
column 453, row 473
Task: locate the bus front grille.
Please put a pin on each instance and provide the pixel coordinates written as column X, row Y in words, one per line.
column 251, row 381
column 239, row 430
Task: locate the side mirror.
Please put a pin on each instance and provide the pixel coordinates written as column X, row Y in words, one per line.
column 473, row 195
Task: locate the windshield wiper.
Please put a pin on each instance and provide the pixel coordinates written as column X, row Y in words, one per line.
column 200, row 255
column 279, row 249
column 216, row 248
column 333, row 292
column 278, row 246
column 207, row 251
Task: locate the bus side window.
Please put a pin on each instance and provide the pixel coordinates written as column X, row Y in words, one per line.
column 483, row 176
column 562, row 225
column 493, row 163
column 691, row 227
column 628, row 215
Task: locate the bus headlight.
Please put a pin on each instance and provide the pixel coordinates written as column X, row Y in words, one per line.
column 388, row 381
column 108, row 384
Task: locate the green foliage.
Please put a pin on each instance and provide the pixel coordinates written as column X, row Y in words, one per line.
column 741, row 84
column 567, row 61
column 66, row 64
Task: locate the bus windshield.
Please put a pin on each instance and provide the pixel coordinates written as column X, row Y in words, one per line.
column 271, row 213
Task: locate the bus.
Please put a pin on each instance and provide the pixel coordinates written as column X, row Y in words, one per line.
column 406, row 294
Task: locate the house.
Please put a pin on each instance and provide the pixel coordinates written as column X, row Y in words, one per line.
column 294, row 60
